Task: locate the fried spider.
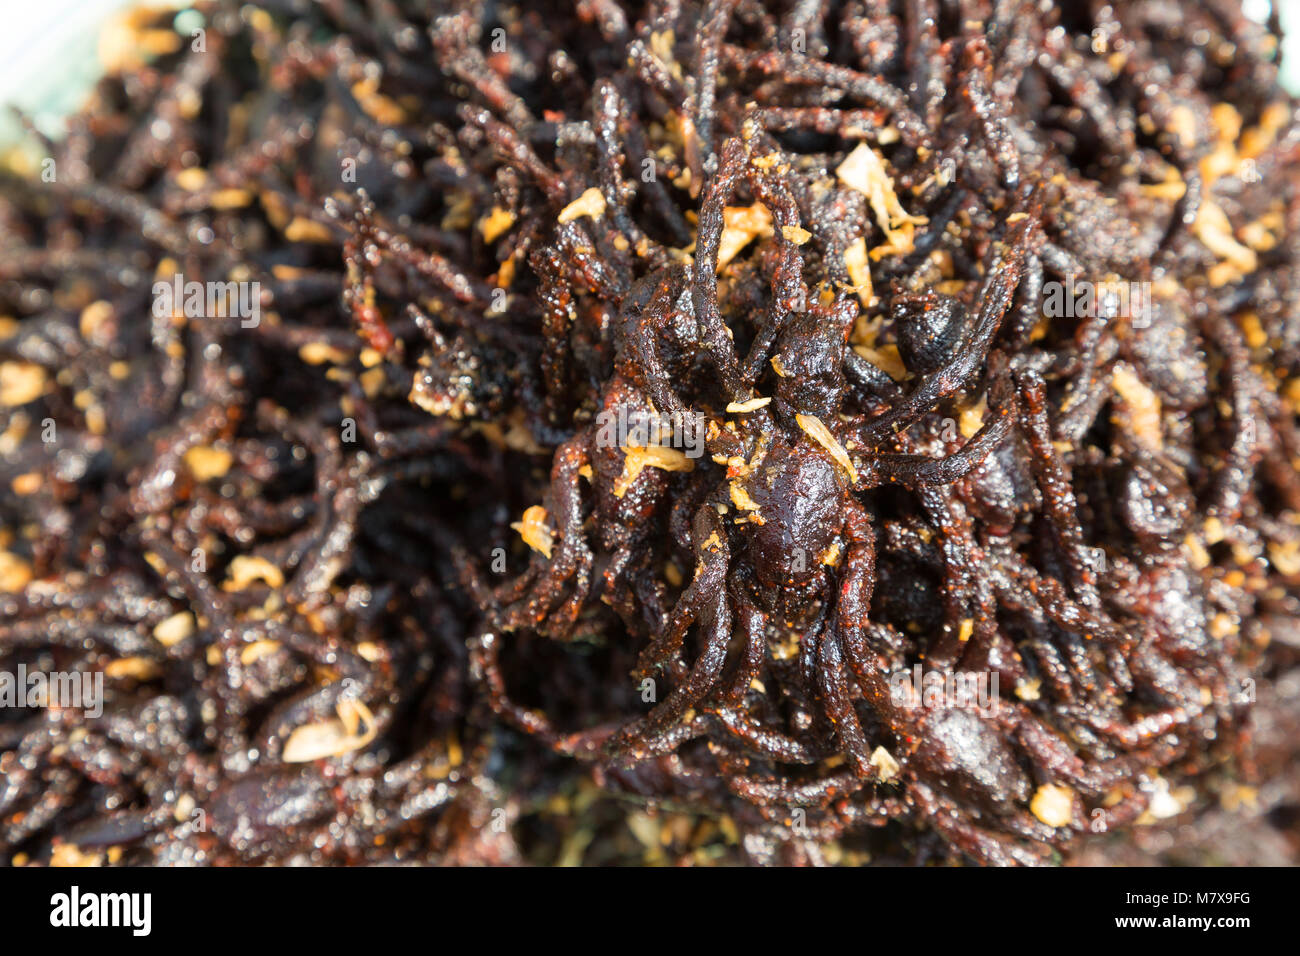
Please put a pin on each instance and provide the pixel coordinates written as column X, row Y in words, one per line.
column 672, row 409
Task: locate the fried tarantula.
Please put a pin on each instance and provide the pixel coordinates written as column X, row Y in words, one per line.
column 910, row 458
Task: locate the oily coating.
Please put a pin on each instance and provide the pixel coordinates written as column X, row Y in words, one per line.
column 796, row 490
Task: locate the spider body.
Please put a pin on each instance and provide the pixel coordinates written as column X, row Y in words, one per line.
column 810, row 356
column 930, row 326
column 799, row 495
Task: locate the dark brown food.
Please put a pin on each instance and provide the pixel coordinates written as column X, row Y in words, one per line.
column 800, row 344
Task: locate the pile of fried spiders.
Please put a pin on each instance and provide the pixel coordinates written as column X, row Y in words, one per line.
column 966, row 330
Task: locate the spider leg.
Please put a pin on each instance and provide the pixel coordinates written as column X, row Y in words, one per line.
column 1055, row 759
column 733, row 159
column 753, row 625
column 960, row 832
column 643, row 334
column 705, row 603
column 839, row 704
column 921, row 470
column 764, row 741
column 573, row 557
column 851, row 611
column 1058, row 492
column 713, row 555
column 765, row 791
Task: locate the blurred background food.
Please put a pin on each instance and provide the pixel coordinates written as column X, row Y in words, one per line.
column 54, row 50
